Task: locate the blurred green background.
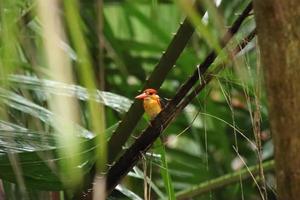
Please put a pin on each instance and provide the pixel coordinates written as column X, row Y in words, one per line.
column 71, row 69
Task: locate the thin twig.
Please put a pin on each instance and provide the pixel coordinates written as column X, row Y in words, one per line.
column 257, row 131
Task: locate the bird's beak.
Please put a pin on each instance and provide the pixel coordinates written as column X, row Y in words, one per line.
column 141, row 96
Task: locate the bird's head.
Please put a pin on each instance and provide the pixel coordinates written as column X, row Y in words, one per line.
column 148, row 94
column 151, row 101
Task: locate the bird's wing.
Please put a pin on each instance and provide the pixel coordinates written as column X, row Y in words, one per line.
column 163, row 102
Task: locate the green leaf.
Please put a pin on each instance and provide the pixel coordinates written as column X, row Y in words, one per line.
column 42, row 169
column 114, row 101
column 164, row 169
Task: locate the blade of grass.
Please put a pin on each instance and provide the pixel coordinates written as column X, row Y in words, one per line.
column 139, row 174
column 164, row 169
column 128, row 193
column 8, row 62
column 88, row 80
column 59, row 67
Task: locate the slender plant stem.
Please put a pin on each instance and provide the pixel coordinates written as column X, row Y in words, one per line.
column 222, row 181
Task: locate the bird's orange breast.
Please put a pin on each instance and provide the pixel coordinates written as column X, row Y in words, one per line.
column 152, row 107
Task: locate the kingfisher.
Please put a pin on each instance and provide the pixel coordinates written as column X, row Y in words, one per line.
column 152, row 103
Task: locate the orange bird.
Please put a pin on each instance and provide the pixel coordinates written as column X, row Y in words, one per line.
column 153, row 104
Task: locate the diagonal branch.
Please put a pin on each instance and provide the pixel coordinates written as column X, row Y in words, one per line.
column 135, row 112
column 155, row 80
column 206, row 78
column 132, row 155
column 145, row 141
column 210, row 58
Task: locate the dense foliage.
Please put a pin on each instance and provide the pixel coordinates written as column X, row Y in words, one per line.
column 54, row 128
